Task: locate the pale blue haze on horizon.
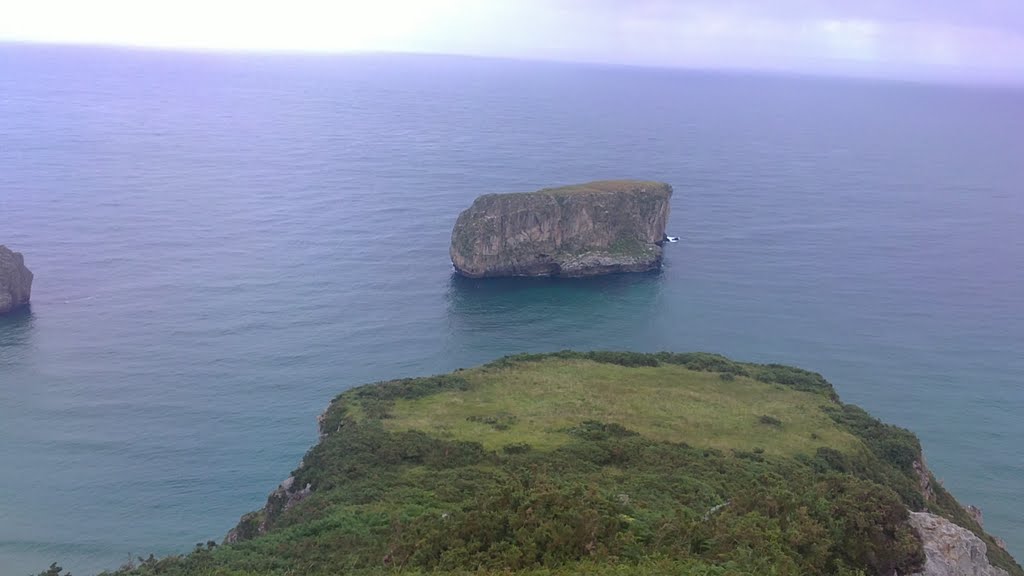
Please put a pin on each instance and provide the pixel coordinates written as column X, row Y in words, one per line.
column 980, row 41
column 223, row 242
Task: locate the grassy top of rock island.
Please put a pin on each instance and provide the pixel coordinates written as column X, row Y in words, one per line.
column 606, row 187
column 645, row 188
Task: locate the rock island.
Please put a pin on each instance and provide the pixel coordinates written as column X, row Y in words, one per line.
column 15, row 280
column 602, row 227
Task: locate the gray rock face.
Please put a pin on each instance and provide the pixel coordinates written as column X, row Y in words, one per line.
column 924, row 479
column 951, row 550
column 976, row 513
column 15, row 280
column 258, row 523
column 584, row 230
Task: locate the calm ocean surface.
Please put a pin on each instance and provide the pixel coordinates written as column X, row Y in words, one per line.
column 222, row 243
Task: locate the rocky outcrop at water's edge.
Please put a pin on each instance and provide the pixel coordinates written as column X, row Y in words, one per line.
column 280, row 500
column 15, row 280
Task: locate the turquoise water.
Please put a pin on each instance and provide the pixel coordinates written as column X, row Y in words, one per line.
column 221, row 243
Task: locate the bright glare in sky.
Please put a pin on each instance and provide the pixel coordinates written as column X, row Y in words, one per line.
column 941, row 38
column 272, row 25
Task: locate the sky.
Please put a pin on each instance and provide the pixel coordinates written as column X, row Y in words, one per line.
column 958, row 39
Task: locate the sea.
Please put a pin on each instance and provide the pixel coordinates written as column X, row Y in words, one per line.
column 223, row 242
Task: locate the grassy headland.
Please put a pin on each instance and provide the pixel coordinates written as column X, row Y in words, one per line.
column 593, row 463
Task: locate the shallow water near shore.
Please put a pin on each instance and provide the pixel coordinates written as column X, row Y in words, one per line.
column 222, row 243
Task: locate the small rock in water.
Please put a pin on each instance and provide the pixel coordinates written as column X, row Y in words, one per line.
column 15, row 280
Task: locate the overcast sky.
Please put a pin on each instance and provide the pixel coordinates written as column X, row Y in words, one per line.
column 965, row 39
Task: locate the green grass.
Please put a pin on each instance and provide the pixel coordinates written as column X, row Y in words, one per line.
column 647, row 187
column 605, row 186
column 666, row 403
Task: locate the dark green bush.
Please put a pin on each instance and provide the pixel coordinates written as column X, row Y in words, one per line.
column 516, row 448
column 497, row 421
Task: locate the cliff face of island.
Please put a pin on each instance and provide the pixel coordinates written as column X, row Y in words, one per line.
column 606, row 463
column 583, row 230
column 15, row 280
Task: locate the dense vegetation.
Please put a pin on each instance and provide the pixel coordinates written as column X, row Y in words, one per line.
column 596, row 463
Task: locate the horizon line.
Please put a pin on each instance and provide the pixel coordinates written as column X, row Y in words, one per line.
column 981, row 81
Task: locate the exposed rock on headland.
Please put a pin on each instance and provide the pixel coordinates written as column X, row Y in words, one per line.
column 280, row 500
column 15, row 280
column 951, row 550
column 588, row 229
